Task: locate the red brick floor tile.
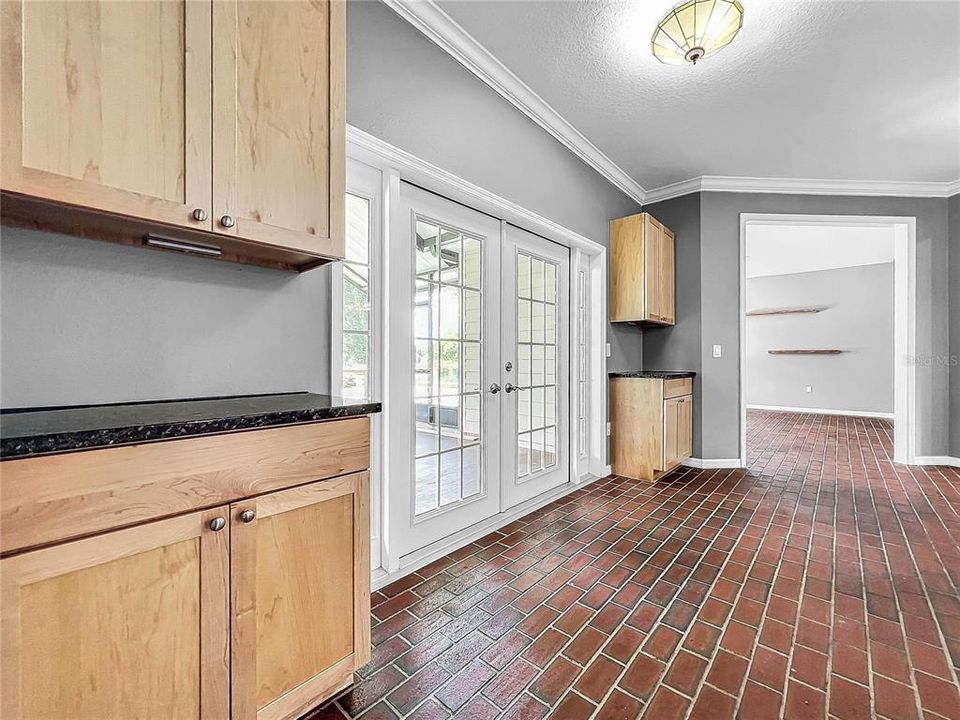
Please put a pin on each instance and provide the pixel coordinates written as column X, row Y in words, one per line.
column 666, row 705
column 804, row 702
column 894, row 700
column 727, row 672
column 759, row 702
column 554, row 681
column 642, row 676
column 707, row 594
column 685, row 671
column 711, row 704
column 619, row 706
column 598, row 678
column 848, row 701
column 624, row 643
column 572, row 707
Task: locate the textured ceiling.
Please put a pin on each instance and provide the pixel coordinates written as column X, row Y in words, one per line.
column 866, row 90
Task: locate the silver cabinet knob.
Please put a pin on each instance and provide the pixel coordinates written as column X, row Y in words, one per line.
column 199, row 214
column 217, row 524
column 227, row 221
column 247, row 516
column 494, row 388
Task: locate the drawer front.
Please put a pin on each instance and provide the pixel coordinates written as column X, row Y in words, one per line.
column 53, row 498
column 677, row 387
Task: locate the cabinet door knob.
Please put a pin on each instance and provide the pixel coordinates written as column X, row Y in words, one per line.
column 217, row 524
column 199, row 214
column 227, row 221
column 247, row 516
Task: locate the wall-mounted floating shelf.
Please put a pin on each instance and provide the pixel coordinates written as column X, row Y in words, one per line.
column 785, row 311
column 805, row 352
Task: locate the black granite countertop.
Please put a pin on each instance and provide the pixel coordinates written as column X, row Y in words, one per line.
column 652, row 374
column 40, row 431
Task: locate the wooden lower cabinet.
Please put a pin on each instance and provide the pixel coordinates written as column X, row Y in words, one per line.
column 254, row 610
column 300, row 571
column 651, row 425
column 129, row 624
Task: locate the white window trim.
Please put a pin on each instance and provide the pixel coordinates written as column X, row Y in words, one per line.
column 366, row 182
column 396, row 165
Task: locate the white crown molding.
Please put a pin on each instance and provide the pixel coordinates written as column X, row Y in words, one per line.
column 803, row 186
column 443, row 30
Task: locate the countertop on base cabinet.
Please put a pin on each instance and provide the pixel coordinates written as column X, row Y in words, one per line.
column 651, row 422
column 221, row 573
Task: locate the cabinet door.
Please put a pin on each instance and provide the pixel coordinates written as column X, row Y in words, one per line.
column 130, row 624
column 279, row 124
column 685, row 428
column 300, row 564
column 106, row 105
column 667, row 277
column 671, row 433
column 651, row 270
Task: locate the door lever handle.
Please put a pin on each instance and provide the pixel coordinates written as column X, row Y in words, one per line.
column 510, row 387
column 494, row 388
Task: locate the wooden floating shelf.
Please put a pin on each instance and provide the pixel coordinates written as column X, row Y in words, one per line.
column 785, row 311
column 805, row 352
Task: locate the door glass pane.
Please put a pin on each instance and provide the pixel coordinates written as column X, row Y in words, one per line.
column 448, row 318
column 537, row 333
column 355, row 353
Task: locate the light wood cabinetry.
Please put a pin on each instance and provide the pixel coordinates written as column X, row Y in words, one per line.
column 642, row 269
column 301, row 575
column 252, row 609
column 130, row 624
column 215, row 123
column 651, row 425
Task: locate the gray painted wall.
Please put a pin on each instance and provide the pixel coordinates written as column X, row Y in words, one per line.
column 857, row 318
column 92, row 322
column 720, row 258
column 678, row 347
column 953, row 220
column 407, row 91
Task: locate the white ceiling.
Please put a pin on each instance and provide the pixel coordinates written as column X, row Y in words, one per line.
column 843, row 90
column 786, row 249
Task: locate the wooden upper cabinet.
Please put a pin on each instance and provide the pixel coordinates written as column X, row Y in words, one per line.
column 106, row 105
column 300, row 567
column 642, row 269
column 667, row 277
column 279, row 122
column 221, row 119
column 148, row 605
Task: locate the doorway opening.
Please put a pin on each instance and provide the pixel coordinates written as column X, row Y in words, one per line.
column 827, row 322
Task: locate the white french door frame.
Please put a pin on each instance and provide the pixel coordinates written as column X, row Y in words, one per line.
column 904, row 318
column 590, row 256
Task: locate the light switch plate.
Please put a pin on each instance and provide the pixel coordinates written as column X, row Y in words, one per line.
column 608, row 349
column 716, row 351
column 608, row 429
column 809, row 388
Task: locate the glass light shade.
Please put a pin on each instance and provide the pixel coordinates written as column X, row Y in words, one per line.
column 696, row 29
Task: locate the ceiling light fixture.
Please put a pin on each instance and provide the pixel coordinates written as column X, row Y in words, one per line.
column 696, row 29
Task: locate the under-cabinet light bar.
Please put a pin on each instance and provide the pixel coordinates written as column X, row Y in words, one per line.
column 167, row 243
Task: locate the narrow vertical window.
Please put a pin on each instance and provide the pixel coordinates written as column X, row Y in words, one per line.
column 582, row 366
column 355, row 373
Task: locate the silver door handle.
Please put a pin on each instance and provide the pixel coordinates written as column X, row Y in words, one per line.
column 494, row 388
column 509, row 387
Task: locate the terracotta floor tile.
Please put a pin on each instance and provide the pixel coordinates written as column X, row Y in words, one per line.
column 626, row 600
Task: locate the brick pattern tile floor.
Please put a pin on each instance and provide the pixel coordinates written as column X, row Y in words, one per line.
column 822, row 582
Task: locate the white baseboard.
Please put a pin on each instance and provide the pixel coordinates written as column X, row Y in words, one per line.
column 711, row 464
column 379, row 577
column 937, row 460
column 823, row 411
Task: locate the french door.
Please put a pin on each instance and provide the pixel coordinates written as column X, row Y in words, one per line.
column 478, row 384
column 535, row 351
